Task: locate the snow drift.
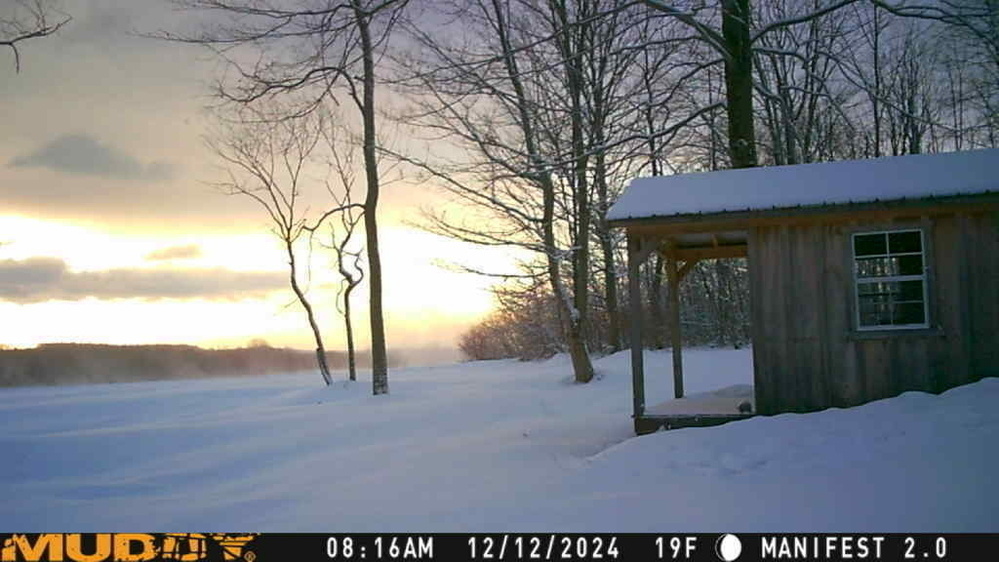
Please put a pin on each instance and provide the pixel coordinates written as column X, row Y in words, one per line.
column 490, row 446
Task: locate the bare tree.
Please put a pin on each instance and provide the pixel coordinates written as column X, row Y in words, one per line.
column 734, row 41
column 974, row 30
column 611, row 109
column 542, row 103
column 266, row 161
column 317, row 50
column 348, row 259
column 524, row 325
column 978, row 20
column 348, row 263
column 802, row 99
column 499, row 105
column 23, row 20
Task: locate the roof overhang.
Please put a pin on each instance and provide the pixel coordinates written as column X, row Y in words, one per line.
column 725, row 235
column 811, row 187
column 873, row 210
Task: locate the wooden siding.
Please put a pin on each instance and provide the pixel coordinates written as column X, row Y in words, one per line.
column 982, row 284
column 809, row 356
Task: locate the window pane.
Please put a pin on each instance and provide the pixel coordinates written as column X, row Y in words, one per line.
column 910, row 265
column 872, row 314
column 874, row 267
column 893, row 291
column 870, row 244
column 910, row 291
column 888, row 267
column 909, row 313
column 874, row 292
column 891, row 303
column 902, row 242
column 884, row 303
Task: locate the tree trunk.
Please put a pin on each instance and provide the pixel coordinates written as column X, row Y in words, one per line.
column 580, row 355
column 324, row 369
column 607, row 248
column 598, row 120
column 739, row 83
column 570, row 42
column 379, row 357
column 351, row 357
column 582, row 367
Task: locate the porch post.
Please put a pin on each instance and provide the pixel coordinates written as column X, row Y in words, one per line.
column 636, row 255
column 673, row 276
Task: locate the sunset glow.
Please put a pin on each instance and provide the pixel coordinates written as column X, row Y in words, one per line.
column 111, row 232
column 426, row 304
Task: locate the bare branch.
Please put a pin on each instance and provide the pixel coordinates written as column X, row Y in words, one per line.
column 804, row 18
column 27, row 19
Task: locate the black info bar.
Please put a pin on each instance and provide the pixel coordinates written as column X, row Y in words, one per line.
column 304, row 547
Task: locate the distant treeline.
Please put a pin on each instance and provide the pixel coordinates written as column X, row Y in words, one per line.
column 70, row 363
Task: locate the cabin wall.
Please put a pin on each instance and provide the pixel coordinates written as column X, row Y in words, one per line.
column 807, row 352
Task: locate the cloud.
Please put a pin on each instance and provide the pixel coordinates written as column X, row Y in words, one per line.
column 41, row 279
column 19, row 280
column 190, row 251
column 85, row 155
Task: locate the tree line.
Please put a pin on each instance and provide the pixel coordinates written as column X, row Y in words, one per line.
column 79, row 363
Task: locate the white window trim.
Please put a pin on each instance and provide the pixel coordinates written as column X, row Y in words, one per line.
column 924, row 277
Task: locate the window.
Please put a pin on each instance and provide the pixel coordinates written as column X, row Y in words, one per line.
column 890, row 280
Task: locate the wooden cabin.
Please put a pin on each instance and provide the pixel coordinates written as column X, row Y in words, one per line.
column 867, row 278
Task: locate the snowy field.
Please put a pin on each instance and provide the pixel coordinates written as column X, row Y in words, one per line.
column 490, row 446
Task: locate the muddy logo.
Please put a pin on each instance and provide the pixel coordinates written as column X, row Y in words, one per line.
column 126, row 547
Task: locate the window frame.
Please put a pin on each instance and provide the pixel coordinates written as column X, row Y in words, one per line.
column 924, row 277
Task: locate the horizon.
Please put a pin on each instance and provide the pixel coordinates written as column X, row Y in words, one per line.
column 246, row 345
column 399, row 357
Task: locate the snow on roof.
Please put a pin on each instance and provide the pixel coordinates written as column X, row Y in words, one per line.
column 775, row 187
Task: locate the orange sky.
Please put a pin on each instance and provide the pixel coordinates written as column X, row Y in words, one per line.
column 109, row 231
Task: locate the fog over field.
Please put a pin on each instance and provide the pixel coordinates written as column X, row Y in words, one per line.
column 61, row 364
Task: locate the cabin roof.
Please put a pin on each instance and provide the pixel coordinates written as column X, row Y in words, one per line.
column 896, row 178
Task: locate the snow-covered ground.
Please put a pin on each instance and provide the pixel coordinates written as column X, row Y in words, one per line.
column 490, row 446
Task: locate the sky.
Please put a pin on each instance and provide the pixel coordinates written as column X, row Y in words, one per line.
column 111, row 230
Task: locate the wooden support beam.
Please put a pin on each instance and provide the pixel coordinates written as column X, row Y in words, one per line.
column 673, row 276
column 637, row 254
column 642, row 246
column 712, row 252
column 650, row 424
